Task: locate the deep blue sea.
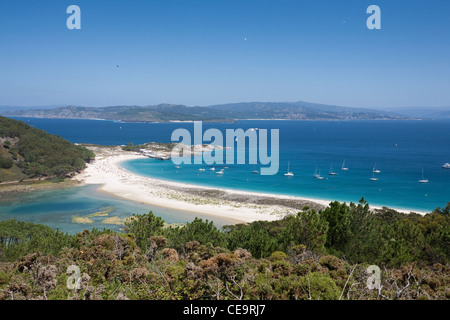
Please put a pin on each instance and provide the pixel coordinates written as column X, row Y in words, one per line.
column 399, row 149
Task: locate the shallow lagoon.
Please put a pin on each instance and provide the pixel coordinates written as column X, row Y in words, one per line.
column 75, row 209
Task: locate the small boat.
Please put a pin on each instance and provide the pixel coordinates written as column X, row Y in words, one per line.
column 332, row 173
column 373, row 176
column 220, row 172
column 423, row 180
column 201, row 169
column 317, row 175
column 344, row 168
column 255, row 171
column 212, row 169
column 178, row 167
column 288, row 173
column 375, row 170
column 446, row 166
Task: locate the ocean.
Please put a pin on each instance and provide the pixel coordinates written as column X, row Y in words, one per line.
column 401, row 150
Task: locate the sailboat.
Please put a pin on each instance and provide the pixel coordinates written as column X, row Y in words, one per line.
column 220, row 172
column 288, row 173
column 423, row 180
column 317, row 175
column 332, row 173
column 375, row 170
column 373, row 176
column 344, row 168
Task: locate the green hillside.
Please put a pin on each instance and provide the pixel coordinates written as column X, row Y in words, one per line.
column 27, row 152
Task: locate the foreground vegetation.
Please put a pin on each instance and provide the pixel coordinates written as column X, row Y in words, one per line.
column 27, row 152
column 310, row 255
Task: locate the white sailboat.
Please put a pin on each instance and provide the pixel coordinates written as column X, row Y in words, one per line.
column 423, row 180
column 375, row 170
column 373, row 176
column 344, row 168
column 288, row 173
column 446, row 166
column 332, row 173
column 317, row 175
column 220, row 172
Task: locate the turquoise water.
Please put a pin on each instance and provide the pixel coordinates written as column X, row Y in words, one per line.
column 400, row 149
column 58, row 208
column 347, row 186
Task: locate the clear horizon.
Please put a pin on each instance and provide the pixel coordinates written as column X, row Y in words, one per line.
column 202, row 53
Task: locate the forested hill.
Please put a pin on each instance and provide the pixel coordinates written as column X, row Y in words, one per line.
column 27, row 152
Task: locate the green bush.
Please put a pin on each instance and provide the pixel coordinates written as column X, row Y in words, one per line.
column 255, row 237
column 198, row 230
column 331, row 262
column 319, row 286
column 307, row 228
column 18, row 239
column 277, row 256
column 142, row 227
column 6, row 163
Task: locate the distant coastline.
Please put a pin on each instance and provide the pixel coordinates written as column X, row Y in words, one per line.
column 224, row 121
column 298, row 110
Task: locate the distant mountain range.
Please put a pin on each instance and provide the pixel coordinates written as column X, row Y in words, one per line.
column 225, row 112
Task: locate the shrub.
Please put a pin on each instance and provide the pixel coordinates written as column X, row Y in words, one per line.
column 319, row 286
column 6, row 163
column 331, row 262
column 202, row 231
column 277, row 256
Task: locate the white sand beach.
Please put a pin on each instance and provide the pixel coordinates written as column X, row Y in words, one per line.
column 234, row 205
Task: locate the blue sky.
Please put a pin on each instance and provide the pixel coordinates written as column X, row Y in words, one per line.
column 204, row 52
